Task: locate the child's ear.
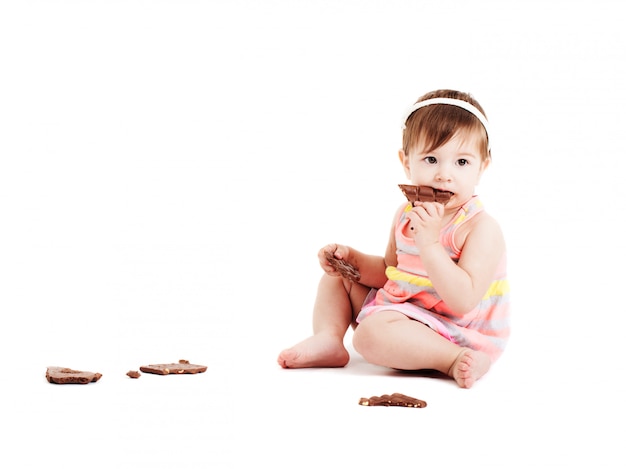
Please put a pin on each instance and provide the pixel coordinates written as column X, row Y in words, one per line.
column 485, row 164
column 404, row 160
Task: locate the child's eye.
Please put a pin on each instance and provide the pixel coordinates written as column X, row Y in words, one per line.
column 462, row 162
column 430, row 159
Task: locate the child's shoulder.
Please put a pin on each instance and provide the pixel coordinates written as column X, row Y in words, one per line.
column 484, row 221
column 483, row 225
column 401, row 209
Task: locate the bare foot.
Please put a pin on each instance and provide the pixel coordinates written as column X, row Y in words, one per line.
column 469, row 366
column 318, row 351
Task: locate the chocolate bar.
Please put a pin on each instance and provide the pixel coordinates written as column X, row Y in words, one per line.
column 345, row 269
column 424, row 194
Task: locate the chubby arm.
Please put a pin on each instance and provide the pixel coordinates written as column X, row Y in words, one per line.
column 371, row 267
column 462, row 285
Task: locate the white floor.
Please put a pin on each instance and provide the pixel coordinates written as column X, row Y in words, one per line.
column 170, row 169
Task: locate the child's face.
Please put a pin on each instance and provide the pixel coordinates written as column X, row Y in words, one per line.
column 455, row 166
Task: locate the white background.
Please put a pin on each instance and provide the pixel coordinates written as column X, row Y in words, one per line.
column 169, row 170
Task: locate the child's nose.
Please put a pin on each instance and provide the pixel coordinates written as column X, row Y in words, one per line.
column 443, row 175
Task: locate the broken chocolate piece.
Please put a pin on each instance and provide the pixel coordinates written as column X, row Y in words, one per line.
column 133, row 374
column 60, row 375
column 182, row 367
column 346, row 270
column 393, row 400
column 424, row 194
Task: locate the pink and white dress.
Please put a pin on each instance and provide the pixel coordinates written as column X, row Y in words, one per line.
column 409, row 291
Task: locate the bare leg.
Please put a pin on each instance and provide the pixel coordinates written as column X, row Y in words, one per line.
column 337, row 303
column 389, row 338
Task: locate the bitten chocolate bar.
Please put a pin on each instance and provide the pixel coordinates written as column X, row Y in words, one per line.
column 424, row 194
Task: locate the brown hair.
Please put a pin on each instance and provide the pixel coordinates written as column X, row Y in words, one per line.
column 432, row 126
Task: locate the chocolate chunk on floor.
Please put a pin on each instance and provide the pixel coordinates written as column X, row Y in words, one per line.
column 182, row 367
column 393, row 400
column 60, row 375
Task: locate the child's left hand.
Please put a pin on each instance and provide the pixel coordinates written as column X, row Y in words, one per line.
column 425, row 223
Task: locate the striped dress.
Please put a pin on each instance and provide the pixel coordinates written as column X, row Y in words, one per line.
column 409, row 291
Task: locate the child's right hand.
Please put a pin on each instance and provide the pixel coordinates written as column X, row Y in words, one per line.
column 338, row 251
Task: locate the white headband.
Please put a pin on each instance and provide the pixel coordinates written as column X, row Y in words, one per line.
column 454, row 102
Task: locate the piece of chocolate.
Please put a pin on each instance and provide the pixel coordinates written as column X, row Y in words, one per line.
column 133, row 374
column 424, row 194
column 60, row 375
column 393, row 400
column 182, row 367
column 346, row 270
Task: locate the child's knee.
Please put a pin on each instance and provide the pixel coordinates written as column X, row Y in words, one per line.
column 364, row 338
